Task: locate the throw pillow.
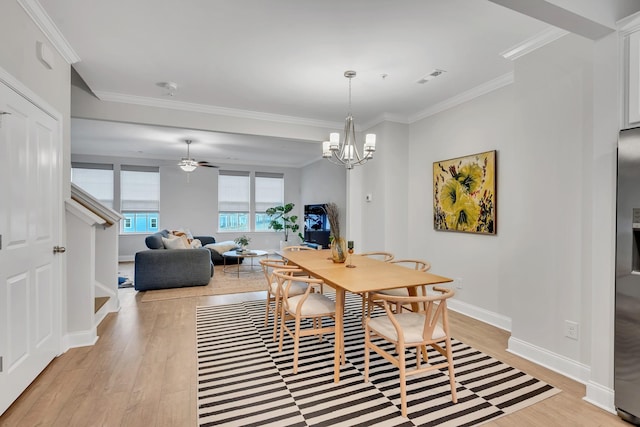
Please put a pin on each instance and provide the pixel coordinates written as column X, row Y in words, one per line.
column 183, row 236
column 222, row 247
column 175, row 243
column 195, row 243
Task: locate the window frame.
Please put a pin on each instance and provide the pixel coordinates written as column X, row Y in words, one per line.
column 251, row 217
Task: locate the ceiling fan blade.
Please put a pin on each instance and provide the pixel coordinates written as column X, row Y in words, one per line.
column 207, row 165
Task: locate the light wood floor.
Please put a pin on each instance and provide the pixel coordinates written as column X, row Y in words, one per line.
column 142, row 372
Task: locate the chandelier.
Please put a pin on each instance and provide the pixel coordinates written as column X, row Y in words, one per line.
column 346, row 152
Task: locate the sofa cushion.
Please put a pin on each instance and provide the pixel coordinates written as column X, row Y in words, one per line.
column 222, row 247
column 175, row 243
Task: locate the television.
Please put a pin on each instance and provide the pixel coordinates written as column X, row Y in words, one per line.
column 316, row 225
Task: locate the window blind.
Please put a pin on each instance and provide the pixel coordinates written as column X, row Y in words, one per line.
column 234, row 191
column 95, row 179
column 139, row 189
column 269, row 191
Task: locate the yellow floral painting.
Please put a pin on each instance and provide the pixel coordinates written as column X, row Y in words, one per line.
column 464, row 194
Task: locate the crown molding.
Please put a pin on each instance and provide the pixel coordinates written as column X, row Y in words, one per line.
column 212, row 109
column 629, row 25
column 529, row 45
column 384, row 117
column 490, row 86
column 41, row 19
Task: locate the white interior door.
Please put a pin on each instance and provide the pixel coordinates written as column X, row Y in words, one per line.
column 30, row 224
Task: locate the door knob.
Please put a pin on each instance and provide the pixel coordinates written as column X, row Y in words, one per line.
column 59, row 249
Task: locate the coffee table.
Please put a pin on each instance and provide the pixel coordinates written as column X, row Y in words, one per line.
column 250, row 254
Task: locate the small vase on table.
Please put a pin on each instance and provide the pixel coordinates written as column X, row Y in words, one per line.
column 350, row 249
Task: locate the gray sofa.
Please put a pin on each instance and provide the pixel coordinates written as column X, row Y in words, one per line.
column 160, row 268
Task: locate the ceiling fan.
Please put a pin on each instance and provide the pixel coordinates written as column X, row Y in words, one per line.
column 188, row 164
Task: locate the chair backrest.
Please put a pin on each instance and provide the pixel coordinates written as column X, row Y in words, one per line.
column 269, row 265
column 433, row 307
column 416, row 264
column 297, row 248
column 286, row 276
column 383, row 256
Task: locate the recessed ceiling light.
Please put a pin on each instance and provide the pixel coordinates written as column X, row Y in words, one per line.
column 433, row 74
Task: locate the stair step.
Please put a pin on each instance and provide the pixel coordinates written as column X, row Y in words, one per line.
column 99, row 302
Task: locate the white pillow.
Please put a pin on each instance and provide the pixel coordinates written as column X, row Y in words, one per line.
column 196, row 243
column 222, row 247
column 175, row 243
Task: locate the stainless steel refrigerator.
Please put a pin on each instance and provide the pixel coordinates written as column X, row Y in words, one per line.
column 627, row 301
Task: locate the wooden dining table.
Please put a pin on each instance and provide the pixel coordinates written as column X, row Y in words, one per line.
column 368, row 275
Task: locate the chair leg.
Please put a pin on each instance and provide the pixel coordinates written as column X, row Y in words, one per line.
column 267, row 308
column 403, row 382
column 276, row 318
column 366, row 353
column 296, row 344
column 281, row 327
column 452, row 375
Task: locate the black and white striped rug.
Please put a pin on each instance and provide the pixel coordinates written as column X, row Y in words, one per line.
column 244, row 381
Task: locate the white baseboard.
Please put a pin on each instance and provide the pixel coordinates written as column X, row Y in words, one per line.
column 126, row 258
column 79, row 339
column 600, row 396
column 486, row 316
column 563, row 365
column 596, row 394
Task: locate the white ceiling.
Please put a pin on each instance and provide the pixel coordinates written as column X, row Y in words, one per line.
column 280, row 57
column 105, row 138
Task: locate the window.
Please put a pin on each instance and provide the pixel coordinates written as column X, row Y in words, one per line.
column 269, row 192
column 234, row 201
column 95, row 179
column 140, row 198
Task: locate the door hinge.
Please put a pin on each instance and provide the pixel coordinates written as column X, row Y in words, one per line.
column 0, row 363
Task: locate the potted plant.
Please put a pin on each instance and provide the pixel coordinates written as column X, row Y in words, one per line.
column 280, row 220
column 243, row 242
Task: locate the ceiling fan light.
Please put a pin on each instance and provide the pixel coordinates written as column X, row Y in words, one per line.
column 188, row 167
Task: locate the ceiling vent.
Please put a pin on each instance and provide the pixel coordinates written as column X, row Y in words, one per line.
column 435, row 73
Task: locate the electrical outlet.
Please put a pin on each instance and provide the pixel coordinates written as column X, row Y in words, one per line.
column 459, row 283
column 571, row 330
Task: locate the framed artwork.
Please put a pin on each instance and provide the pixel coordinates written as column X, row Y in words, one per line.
column 464, row 194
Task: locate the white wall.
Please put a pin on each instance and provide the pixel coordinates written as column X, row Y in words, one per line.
column 18, row 57
column 483, row 262
column 607, row 114
column 554, row 117
column 324, row 182
column 194, row 204
column 382, row 223
column 552, row 257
